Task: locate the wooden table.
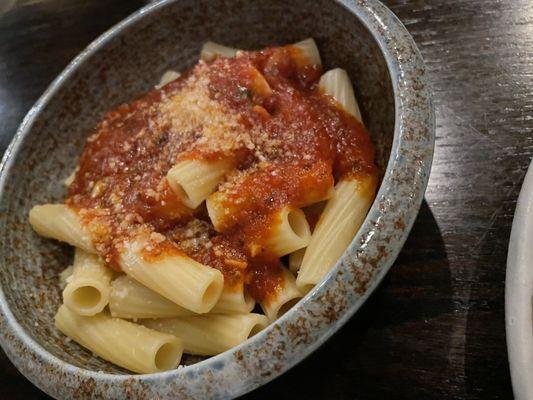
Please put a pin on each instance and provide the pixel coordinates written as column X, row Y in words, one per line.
column 435, row 328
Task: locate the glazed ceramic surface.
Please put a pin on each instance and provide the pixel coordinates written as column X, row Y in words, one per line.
column 519, row 293
column 362, row 36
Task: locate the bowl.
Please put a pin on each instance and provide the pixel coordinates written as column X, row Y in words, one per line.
column 363, row 37
column 519, row 293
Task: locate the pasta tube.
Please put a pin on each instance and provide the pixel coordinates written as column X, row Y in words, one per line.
column 129, row 299
column 211, row 50
column 167, row 77
column 336, row 228
column 211, row 334
column 64, row 275
column 194, row 180
column 311, row 214
column 274, row 306
column 295, row 261
column 87, row 289
column 124, row 343
column 289, row 232
column 58, row 221
column 217, row 210
column 316, row 186
column 177, row 277
column 234, row 300
column 309, row 50
column 337, row 84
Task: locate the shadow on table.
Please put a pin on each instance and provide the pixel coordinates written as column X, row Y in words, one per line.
column 484, row 305
column 398, row 345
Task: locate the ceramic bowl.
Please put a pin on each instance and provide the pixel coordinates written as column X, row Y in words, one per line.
column 363, row 37
column 519, row 293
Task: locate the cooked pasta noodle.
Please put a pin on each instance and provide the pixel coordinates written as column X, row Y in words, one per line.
column 124, row 343
column 88, row 287
column 309, row 49
column 58, row 221
column 336, row 228
column 211, row 50
column 211, row 334
column 234, row 300
column 167, row 77
column 337, row 84
column 281, row 301
column 177, row 277
column 131, row 300
column 295, row 261
column 289, row 232
column 194, row 180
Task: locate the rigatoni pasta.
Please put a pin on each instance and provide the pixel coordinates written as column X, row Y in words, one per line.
column 337, row 226
column 211, row 334
column 336, row 83
column 167, row 77
column 194, row 180
column 295, row 261
column 191, row 285
column 126, row 344
column 289, row 231
column 288, row 294
column 227, row 189
column 210, row 50
column 234, row 300
column 88, row 286
column 309, row 52
column 131, row 300
column 57, row 221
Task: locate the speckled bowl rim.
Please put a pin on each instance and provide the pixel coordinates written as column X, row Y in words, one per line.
column 223, row 376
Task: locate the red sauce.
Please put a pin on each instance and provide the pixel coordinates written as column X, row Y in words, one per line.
column 263, row 277
column 298, row 142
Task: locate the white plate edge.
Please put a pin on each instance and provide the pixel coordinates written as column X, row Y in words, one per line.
column 519, row 293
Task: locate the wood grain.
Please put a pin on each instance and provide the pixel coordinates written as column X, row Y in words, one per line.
column 435, row 328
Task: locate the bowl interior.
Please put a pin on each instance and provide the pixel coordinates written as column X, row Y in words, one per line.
column 127, row 65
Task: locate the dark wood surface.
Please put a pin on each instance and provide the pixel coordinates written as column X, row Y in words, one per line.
column 435, row 328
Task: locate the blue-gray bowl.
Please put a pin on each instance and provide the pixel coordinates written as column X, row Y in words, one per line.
column 361, row 36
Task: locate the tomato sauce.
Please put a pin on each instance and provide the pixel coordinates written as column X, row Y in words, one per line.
column 289, row 143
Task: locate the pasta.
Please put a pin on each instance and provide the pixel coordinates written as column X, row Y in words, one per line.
column 131, row 300
column 57, row 221
column 310, row 51
column 337, row 84
column 337, row 226
column 289, row 232
column 167, row 77
column 177, row 277
column 211, row 334
column 227, row 189
column 220, row 204
column 64, row 275
column 311, row 214
column 194, row 180
column 210, row 50
column 234, row 300
column 87, row 288
column 126, row 344
column 280, row 302
column 295, row 261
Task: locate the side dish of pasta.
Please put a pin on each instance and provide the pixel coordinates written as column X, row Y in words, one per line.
column 204, row 210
